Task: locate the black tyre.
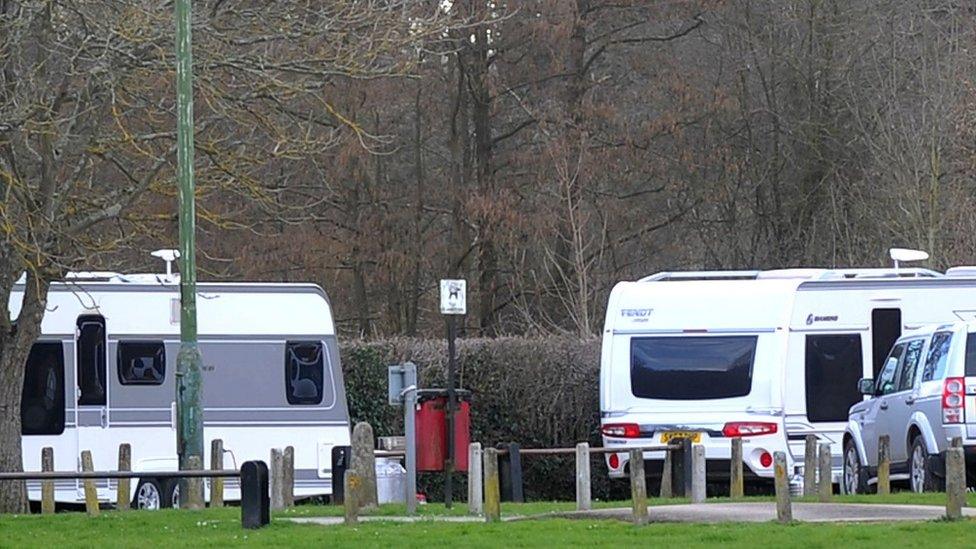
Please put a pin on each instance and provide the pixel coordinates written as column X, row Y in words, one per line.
column 921, row 478
column 854, row 477
column 171, row 493
column 149, row 495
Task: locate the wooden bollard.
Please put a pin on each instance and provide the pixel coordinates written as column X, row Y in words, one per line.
column 493, row 495
column 884, row 465
column 91, row 494
column 583, row 476
column 288, row 477
column 810, row 466
column 638, row 487
column 352, row 485
column 698, row 489
column 475, row 479
column 47, row 486
column 123, row 494
column 736, row 482
column 666, row 483
column 955, row 482
column 192, row 497
column 825, row 489
column 277, row 479
column 216, row 464
column 784, row 508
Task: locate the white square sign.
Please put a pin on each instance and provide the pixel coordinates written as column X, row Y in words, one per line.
column 453, row 301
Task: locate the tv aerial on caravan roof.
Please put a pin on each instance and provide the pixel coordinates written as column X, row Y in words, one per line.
column 899, row 255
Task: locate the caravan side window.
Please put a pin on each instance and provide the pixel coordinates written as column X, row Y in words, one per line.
column 141, row 362
column 42, row 402
column 304, row 373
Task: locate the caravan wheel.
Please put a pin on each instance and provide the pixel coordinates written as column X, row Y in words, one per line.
column 148, row 495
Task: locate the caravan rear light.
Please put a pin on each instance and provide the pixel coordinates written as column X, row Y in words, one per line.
column 614, row 461
column 621, row 430
column 765, row 459
column 953, row 400
column 748, row 428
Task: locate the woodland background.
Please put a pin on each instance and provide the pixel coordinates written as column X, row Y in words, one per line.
column 545, row 150
column 541, row 149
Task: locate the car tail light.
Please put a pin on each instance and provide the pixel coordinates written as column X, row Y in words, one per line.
column 765, row 459
column 748, row 428
column 621, row 430
column 953, row 400
column 614, row 461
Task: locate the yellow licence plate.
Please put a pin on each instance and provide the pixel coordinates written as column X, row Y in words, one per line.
column 695, row 436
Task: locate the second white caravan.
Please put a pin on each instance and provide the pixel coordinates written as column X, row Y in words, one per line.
column 769, row 356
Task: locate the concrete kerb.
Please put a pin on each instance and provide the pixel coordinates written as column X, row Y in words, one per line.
column 702, row 513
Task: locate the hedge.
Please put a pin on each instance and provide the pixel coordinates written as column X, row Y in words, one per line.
column 539, row 392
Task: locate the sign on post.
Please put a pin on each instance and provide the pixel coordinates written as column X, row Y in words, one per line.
column 453, row 299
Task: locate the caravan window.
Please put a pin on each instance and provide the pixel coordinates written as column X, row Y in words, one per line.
column 91, row 360
column 304, row 372
column 833, row 366
column 42, row 402
column 141, row 362
column 691, row 368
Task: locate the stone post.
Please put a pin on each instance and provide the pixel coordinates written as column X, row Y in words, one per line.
column 638, row 487
column 364, row 462
column 583, row 476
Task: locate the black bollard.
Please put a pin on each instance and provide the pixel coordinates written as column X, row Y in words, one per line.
column 340, row 462
column 511, row 473
column 255, row 502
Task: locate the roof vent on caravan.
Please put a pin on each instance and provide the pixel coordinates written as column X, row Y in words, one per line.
column 92, row 275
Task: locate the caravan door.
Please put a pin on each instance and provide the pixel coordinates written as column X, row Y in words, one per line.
column 91, row 371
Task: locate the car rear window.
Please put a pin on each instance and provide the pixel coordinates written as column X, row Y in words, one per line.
column 971, row 355
column 692, row 368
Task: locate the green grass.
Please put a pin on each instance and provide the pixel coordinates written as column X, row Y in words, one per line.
column 221, row 527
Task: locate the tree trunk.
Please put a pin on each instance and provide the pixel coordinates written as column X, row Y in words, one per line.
column 15, row 345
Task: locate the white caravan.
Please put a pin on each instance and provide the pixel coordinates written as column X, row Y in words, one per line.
column 771, row 356
column 103, row 373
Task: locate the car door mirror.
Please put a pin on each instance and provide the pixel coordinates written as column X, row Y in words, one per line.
column 865, row 386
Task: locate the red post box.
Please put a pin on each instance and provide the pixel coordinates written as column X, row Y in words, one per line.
column 431, row 428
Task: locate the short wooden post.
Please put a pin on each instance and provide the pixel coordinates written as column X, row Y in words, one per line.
column 698, row 474
column 666, row 483
column 91, row 494
column 123, row 494
column 216, row 464
column 784, row 508
column 810, row 466
column 47, row 486
column 736, row 482
column 475, row 479
column 288, row 477
column 638, row 486
column 493, row 507
column 583, row 476
column 825, row 489
column 884, row 465
column 192, row 497
column 277, row 479
column 352, row 486
column 955, row 482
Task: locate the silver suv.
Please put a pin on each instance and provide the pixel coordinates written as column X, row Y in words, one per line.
column 924, row 396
